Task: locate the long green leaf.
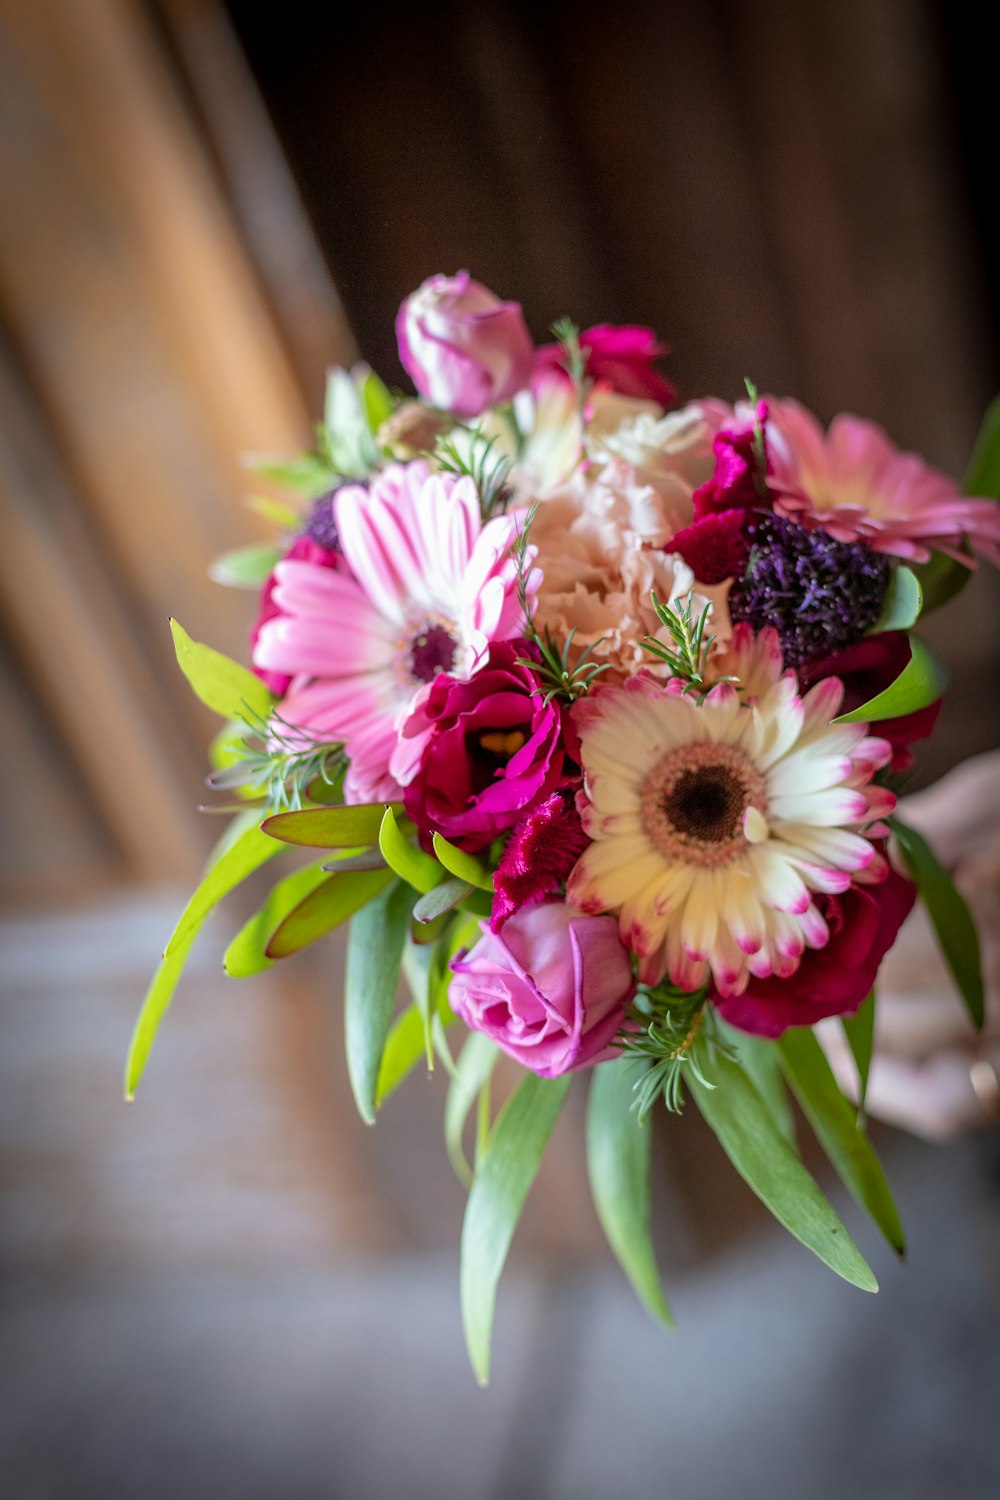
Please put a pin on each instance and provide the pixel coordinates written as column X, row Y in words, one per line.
column 618, row 1162
column 904, row 599
column 324, row 909
column 250, row 850
column 499, row 1189
column 758, row 1057
column 922, row 681
column 759, row 1152
column 244, row 568
column 463, row 865
column 247, row 953
column 374, row 955
column 835, row 1122
column 223, row 685
column 443, row 898
column 950, row 917
column 476, row 1062
column 308, row 475
column 859, row 1030
column 983, row 476
column 328, row 827
column 410, row 863
column 940, row 579
column 404, row 1047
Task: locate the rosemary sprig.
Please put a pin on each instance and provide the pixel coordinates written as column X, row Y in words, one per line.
column 673, row 1030
column 560, row 677
column 488, row 469
column 574, row 362
column 759, row 444
column 688, row 659
column 280, row 762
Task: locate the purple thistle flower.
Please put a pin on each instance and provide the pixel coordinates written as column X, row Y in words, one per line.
column 819, row 594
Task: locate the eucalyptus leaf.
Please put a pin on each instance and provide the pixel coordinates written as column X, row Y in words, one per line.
column 463, row 865
column 475, row 1064
column 835, row 1122
column 902, row 604
column 496, row 1199
column 950, row 917
column 859, row 1030
column 325, row 908
column 410, row 863
column 354, row 827
column 758, row 1056
column 983, row 476
column 618, row 1164
column 759, row 1152
column 404, row 1048
column 245, row 567
column 443, row 898
column 374, row 955
column 246, row 853
column 247, row 953
column 223, row 685
column 921, row 682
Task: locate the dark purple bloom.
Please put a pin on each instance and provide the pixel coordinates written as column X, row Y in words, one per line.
column 819, row 594
column 321, row 526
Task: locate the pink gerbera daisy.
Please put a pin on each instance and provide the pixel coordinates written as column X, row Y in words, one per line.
column 429, row 588
column 854, row 483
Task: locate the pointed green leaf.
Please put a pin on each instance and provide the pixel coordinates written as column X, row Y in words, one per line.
column 475, row 1064
column 223, row 685
column 247, row 853
column 463, row 865
column 309, row 474
column 922, row 681
column 404, row 1048
column 245, row 567
column 374, row 955
column 377, row 400
column 247, row 953
column 354, row 827
column 499, row 1189
column 759, row 1152
column 443, row 898
column 347, row 435
column 226, row 746
column 324, row 909
column 983, row 476
column 859, row 1030
column 410, row 863
column 902, row 604
column 940, row 579
column 835, row 1122
column 758, row 1057
column 618, row 1162
column 285, row 517
column 950, row 917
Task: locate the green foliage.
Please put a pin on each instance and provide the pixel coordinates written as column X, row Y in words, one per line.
column 282, row 764
column 441, row 898
column 346, row 436
column 859, row 1030
column 250, row 850
column 355, row 827
column 325, row 908
column 940, row 579
column 408, row 861
column 839, row 1131
column 983, row 476
column 464, row 866
column 468, row 453
column 309, row 475
column 758, row 1057
column 922, row 681
column 618, row 1164
column 223, row 685
column 950, row 917
column 499, row 1189
column 374, row 955
column 662, row 1027
column 688, row 658
column 472, row 1073
column 903, row 602
column 757, row 1149
column 404, row 1048
column 247, row 953
column 245, row 567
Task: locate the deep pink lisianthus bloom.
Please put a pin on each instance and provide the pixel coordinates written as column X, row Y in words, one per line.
column 857, row 485
column 620, row 358
column 551, row 989
column 539, row 857
column 867, row 668
column 737, row 482
column 833, row 980
column 303, row 549
column 477, row 755
column 462, row 347
column 429, row 589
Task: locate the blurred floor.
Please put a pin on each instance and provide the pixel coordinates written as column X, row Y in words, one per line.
column 201, row 1300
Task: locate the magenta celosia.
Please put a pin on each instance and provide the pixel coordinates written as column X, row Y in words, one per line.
column 831, row 981
column 714, row 548
column 737, row 483
column 551, row 989
column 538, row 858
column 619, row 358
column 486, row 750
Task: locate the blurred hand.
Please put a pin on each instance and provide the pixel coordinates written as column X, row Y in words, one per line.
column 930, row 1072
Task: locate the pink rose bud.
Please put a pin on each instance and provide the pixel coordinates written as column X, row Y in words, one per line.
column 550, row 989
column 462, row 347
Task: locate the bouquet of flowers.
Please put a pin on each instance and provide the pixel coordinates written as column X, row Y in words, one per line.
column 587, row 709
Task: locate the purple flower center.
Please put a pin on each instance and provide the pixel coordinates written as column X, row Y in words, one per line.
column 432, row 651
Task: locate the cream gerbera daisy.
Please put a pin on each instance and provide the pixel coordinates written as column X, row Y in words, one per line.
column 715, row 823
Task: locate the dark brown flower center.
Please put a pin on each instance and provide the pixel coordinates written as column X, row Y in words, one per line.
column 706, row 804
column 432, row 651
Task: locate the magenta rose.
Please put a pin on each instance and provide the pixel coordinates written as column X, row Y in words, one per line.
column 462, row 347
column 551, row 989
column 830, row 981
column 619, row 359
column 489, row 750
column 867, row 668
column 303, row 549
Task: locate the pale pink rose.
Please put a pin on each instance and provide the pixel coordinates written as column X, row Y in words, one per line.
column 462, row 347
